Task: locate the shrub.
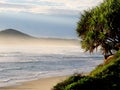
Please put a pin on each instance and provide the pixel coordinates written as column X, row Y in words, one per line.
column 104, row 77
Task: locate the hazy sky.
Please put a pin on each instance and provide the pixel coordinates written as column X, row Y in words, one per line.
column 43, row 18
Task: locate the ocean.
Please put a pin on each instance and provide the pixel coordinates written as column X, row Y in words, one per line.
column 30, row 63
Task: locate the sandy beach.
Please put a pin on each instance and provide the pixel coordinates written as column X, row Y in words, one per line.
column 41, row 84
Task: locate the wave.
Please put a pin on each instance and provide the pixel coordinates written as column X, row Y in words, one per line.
column 19, row 65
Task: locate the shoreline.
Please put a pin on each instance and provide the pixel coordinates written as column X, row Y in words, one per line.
column 40, row 84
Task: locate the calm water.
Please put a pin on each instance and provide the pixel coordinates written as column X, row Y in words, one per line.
column 24, row 64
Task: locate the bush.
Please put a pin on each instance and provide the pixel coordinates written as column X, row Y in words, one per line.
column 70, row 80
column 104, row 77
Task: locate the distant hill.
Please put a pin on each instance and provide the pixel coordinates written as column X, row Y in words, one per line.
column 13, row 37
column 11, row 33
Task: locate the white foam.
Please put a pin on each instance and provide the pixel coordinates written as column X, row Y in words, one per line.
column 24, row 64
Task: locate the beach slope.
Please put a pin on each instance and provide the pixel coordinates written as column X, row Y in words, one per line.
column 41, row 84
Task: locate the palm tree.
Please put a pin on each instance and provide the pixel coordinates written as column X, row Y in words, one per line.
column 99, row 27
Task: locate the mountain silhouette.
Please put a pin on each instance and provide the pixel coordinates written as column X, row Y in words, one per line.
column 15, row 37
column 11, row 33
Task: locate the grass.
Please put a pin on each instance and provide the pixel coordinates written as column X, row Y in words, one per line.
column 103, row 77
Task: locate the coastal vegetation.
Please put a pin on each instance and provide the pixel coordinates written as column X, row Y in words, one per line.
column 103, row 77
column 99, row 28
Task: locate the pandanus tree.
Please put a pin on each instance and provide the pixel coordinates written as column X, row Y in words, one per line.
column 100, row 27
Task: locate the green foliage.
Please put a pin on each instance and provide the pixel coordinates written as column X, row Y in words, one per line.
column 117, row 53
column 70, row 80
column 103, row 69
column 104, row 77
column 100, row 27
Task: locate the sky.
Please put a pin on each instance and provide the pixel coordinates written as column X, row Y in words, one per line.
column 44, row 18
